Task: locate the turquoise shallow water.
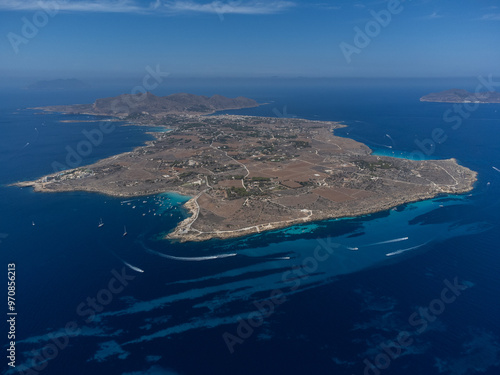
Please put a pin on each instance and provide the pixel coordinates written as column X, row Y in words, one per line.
column 399, row 154
column 332, row 292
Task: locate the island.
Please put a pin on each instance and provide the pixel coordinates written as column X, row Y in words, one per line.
column 59, row 84
column 248, row 174
column 462, row 96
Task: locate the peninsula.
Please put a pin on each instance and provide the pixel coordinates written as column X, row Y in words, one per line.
column 251, row 174
column 462, row 96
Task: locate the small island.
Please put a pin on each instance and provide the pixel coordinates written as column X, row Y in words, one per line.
column 59, row 84
column 248, row 174
column 462, row 96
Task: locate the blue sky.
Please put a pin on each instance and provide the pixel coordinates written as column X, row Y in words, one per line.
column 246, row 38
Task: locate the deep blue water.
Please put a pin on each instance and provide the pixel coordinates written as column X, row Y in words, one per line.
column 339, row 307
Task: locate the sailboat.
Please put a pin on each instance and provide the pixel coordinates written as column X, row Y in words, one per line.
column 124, row 231
column 100, row 223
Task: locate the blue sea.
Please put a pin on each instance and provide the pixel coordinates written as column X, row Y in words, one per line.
column 413, row 290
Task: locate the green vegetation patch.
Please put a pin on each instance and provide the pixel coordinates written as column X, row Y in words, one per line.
column 375, row 165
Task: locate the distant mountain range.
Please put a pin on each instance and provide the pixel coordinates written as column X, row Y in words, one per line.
column 149, row 104
column 58, row 84
column 462, row 96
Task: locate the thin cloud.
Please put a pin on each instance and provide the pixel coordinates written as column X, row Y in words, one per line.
column 119, row 6
column 154, row 7
column 326, row 6
column 229, row 7
column 491, row 17
column 433, row 16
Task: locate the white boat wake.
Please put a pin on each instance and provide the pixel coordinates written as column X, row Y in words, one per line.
column 496, row 169
column 389, row 241
column 405, row 250
column 131, row 200
column 189, row 259
column 134, row 268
